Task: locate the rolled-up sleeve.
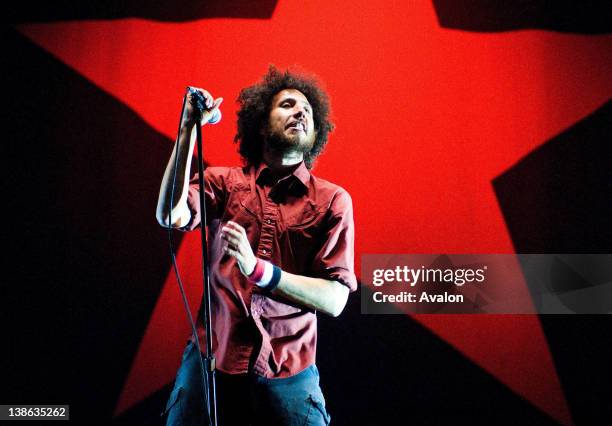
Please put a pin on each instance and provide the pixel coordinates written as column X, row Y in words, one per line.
column 336, row 258
column 215, row 193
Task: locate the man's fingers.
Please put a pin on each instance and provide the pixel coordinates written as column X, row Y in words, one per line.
column 208, row 99
column 216, row 103
column 229, row 232
column 235, row 242
column 237, row 227
column 234, row 238
column 236, row 255
column 231, row 238
column 234, row 225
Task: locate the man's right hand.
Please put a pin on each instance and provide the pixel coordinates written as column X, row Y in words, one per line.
column 190, row 114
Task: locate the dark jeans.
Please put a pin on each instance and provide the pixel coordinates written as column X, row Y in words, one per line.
column 246, row 399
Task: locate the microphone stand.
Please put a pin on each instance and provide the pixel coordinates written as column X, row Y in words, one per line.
column 210, row 358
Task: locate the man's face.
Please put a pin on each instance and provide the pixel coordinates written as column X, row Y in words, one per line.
column 290, row 125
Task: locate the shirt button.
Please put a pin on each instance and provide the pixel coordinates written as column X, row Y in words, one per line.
column 268, row 221
column 264, row 251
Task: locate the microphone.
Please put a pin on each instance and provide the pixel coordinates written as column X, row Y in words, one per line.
column 216, row 117
column 198, row 101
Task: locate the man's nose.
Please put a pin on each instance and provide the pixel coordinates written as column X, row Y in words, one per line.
column 299, row 112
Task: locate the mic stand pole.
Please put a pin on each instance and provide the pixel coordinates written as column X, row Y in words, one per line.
column 210, row 358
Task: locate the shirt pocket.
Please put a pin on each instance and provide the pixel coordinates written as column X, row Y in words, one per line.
column 242, row 206
column 304, row 235
column 306, row 216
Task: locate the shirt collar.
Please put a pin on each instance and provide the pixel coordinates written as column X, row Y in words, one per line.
column 301, row 173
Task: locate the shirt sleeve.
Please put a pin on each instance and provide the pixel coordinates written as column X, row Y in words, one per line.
column 336, row 258
column 215, row 183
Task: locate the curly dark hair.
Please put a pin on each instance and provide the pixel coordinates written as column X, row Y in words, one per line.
column 255, row 102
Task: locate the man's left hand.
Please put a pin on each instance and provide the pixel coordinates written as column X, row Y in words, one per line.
column 237, row 245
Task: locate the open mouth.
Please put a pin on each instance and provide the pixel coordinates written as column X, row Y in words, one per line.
column 297, row 125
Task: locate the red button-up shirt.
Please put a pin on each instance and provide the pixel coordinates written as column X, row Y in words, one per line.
column 302, row 224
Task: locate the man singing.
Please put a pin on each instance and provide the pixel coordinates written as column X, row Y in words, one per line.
column 281, row 248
